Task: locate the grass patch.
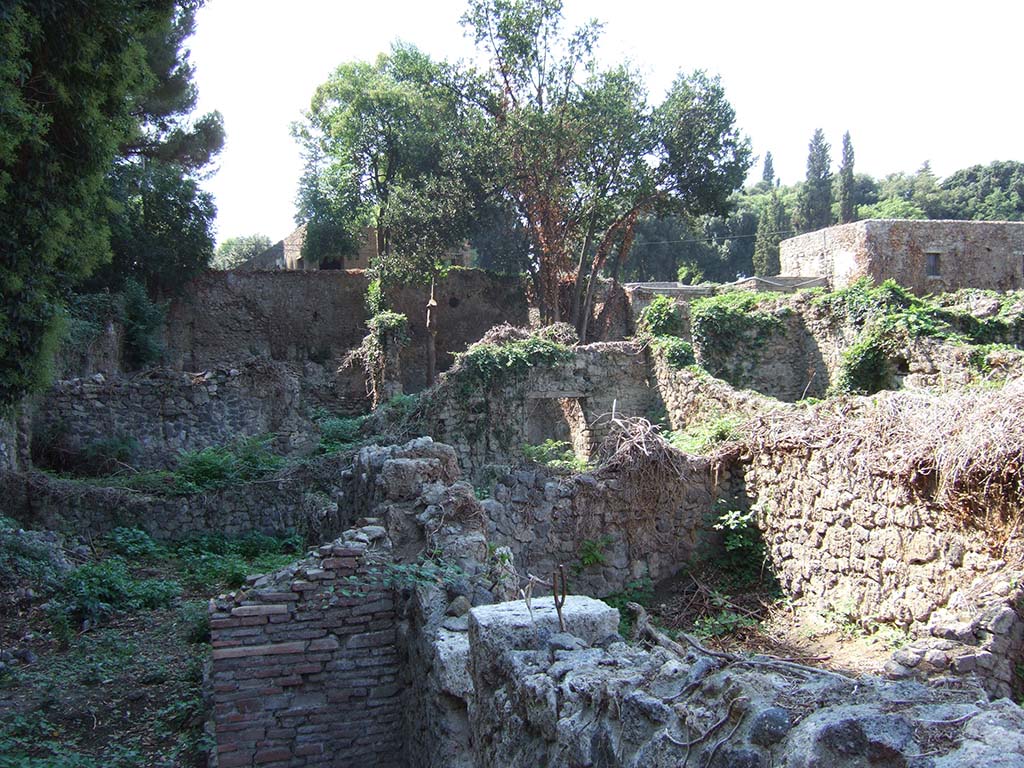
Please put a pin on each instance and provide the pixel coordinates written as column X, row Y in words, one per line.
column 557, row 455
column 702, row 437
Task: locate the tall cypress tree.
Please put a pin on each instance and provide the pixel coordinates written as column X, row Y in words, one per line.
column 814, row 204
column 768, row 174
column 846, row 204
column 770, row 226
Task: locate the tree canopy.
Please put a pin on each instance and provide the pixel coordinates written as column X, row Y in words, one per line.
column 82, row 85
column 540, row 143
column 237, row 250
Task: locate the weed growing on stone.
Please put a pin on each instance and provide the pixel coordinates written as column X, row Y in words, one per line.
column 660, row 318
column 591, row 553
column 483, row 364
column 724, row 320
column 702, row 437
column 639, row 591
column 557, row 455
column 677, row 353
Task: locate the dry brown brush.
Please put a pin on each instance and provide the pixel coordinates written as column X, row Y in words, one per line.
column 962, row 452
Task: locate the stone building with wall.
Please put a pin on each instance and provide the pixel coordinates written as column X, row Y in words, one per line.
column 924, row 256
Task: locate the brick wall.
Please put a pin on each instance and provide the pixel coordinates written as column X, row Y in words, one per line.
column 304, row 675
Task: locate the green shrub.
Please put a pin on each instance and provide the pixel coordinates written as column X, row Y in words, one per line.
column 592, row 552
column 215, row 560
column 678, row 353
column 241, row 461
column 95, row 591
column 557, row 455
column 660, row 318
column 690, row 274
column 195, row 620
column 700, row 437
column 143, row 320
column 108, row 455
column 484, row 363
column 338, row 433
column 133, row 543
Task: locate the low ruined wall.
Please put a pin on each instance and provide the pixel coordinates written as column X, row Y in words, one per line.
column 304, row 499
column 847, row 538
column 303, row 674
column 167, row 411
column 546, row 697
column 548, row 520
column 571, row 401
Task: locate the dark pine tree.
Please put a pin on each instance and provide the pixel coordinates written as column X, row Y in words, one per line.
column 847, row 208
column 814, row 204
column 768, row 175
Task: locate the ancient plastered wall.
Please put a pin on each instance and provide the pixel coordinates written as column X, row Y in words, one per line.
column 853, row 541
column 839, row 254
column 305, row 499
column 469, row 303
column 971, row 254
column 168, row 411
column 303, row 675
column 283, row 315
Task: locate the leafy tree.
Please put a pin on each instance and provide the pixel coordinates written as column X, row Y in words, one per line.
column 814, row 205
column 237, row 250
column 387, row 145
column 993, row 192
column 584, row 155
column 847, row 204
column 71, row 74
column 770, row 228
column 891, row 208
column 768, row 174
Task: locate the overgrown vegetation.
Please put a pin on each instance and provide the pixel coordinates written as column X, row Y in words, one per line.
column 242, row 460
column 120, row 642
column 484, row 363
column 557, row 455
column 702, row 437
column 725, row 320
column 388, row 332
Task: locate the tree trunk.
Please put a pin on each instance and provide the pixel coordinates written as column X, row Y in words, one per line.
column 577, row 294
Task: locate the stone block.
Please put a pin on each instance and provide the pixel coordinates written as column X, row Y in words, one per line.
column 512, row 626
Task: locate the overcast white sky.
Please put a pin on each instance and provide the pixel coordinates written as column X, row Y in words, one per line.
column 911, row 80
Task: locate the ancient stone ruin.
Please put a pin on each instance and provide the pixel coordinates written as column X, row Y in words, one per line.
column 489, row 562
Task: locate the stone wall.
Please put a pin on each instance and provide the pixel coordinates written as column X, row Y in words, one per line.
column 302, row 673
column 304, row 499
column 571, row 401
column 547, row 520
column 969, row 254
column 166, row 411
column 848, row 537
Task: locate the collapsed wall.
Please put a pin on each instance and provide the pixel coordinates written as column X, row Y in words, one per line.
column 163, row 412
column 370, row 653
column 903, row 510
column 488, row 422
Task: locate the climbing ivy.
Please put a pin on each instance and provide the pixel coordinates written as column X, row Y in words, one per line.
column 483, row 364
